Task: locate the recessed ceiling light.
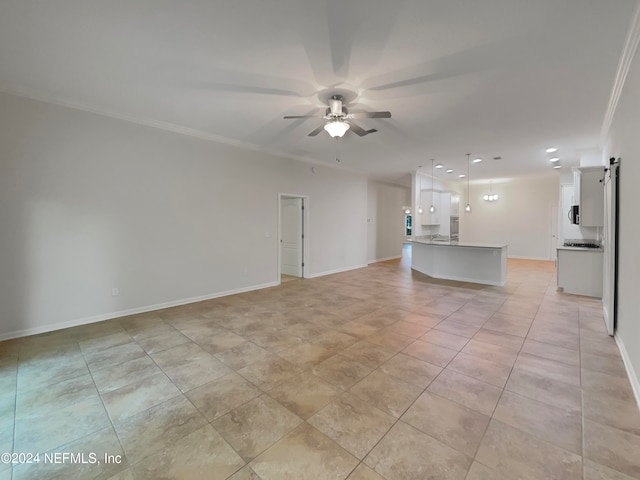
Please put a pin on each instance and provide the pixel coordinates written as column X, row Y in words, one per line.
column 439, row 165
column 557, row 166
column 551, row 150
column 461, row 175
column 477, row 160
column 497, row 158
column 554, row 159
column 449, row 170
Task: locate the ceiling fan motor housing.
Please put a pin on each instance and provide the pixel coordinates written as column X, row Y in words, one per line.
column 335, row 105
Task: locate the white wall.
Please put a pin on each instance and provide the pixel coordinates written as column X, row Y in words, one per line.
column 521, row 217
column 385, row 220
column 624, row 142
column 88, row 203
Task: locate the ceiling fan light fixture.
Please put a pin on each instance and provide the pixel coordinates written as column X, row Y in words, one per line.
column 336, row 128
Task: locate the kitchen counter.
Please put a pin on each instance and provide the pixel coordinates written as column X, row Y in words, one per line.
column 584, row 249
column 484, row 263
column 456, row 243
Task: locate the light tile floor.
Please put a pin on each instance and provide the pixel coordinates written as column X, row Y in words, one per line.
column 377, row 373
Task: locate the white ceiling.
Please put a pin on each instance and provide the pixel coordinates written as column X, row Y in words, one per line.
column 488, row 77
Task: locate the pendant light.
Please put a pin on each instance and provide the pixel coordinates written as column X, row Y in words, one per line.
column 432, row 208
column 419, row 191
column 468, row 207
column 491, row 197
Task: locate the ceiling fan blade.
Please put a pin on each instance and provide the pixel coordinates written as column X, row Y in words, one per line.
column 370, row 115
column 316, row 131
column 301, row 116
column 359, row 130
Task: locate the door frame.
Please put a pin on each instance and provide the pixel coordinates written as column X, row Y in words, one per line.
column 305, row 232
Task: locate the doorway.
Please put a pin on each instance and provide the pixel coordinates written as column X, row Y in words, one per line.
column 292, row 228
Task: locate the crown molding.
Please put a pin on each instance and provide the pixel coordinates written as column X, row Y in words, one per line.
column 166, row 126
column 626, row 58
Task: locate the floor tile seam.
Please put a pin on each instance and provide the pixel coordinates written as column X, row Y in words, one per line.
column 536, row 437
column 165, row 374
column 104, row 407
column 463, row 407
column 491, row 417
column 551, row 359
column 228, row 442
column 15, row 412
column 115, row 429
column 360, row 460
column 583, row 443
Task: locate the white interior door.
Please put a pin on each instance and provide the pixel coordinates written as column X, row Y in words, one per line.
column 291, row 236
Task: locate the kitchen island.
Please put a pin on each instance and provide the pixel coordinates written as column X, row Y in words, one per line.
column 484, row 263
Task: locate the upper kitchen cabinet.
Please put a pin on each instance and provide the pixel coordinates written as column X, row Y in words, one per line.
column 588, row 194
column 455, row 204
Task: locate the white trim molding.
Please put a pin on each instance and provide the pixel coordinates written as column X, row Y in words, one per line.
column 631, row 373
column 628, row 52
column 378, row 260
column 339, row 270
column 161, row 125
column 132, row 311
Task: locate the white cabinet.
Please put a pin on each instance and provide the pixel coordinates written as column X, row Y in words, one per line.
column 455, row 204
column 588, row 193
column 580, row 271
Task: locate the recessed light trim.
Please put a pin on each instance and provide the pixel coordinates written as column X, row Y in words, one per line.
column 462, row 175
column 551, row 150
column 477, row 160
column 557, row 166
column 439, row 165
column 449, row 170
column 554, row 159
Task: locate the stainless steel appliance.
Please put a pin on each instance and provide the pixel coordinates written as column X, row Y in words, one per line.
column 574, row 214
column 453, row 227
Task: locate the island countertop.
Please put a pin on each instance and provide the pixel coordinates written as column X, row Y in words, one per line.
column 456, row 243
column 476, row 262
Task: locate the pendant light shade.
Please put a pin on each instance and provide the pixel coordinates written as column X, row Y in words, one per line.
column 468, row 207
column 491, row 197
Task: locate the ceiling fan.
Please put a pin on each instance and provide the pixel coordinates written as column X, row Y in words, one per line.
column 339, row 120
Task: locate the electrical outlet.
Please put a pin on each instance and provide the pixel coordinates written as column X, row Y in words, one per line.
column 115, row 292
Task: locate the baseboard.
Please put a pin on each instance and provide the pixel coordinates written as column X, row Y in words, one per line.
column 131, row 311
column 631, row 373
column 339, row 270
column 516, row 257
column 384, row 259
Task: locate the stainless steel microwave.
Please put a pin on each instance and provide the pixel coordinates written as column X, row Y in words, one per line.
column 574, row 214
